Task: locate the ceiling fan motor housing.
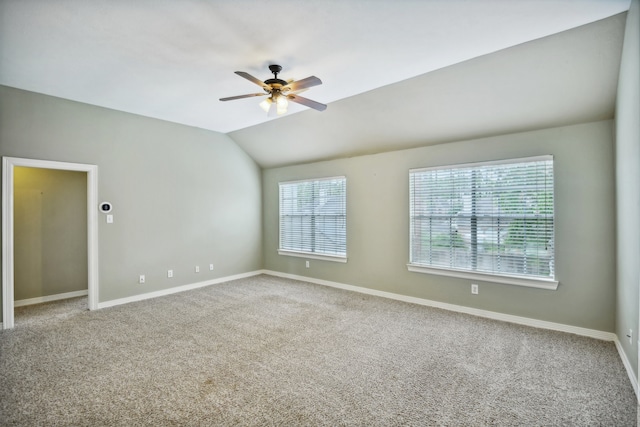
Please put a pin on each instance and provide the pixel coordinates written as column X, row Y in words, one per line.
column 275, row 82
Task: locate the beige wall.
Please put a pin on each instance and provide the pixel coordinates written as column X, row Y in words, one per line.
column 628, row 186
column 50, row 232
column 181, row 196
column 378, row 225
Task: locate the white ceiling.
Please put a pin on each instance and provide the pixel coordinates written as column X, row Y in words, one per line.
column 567, row 78
column 173, row 59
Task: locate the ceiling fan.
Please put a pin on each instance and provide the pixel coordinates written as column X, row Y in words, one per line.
column 280, row 92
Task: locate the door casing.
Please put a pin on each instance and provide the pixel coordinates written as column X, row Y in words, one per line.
column 8, row 165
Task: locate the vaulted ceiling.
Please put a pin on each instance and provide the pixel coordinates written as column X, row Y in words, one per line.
column 396, row 74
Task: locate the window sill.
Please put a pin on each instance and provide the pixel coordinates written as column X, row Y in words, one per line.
column 548, row 284
column 309, row 255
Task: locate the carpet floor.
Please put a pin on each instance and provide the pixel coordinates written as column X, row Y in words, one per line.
column 267, row 351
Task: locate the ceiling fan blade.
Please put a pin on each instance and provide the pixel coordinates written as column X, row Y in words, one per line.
column 253, row 79
column 307, row 102
column 231, row 98
column 302, row 84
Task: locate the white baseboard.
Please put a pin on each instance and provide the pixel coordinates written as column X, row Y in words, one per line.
column 49, row 298
column 175, row 290
column 601, row 335
column 627, row 367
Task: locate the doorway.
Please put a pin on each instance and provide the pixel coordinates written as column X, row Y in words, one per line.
column 8, row 228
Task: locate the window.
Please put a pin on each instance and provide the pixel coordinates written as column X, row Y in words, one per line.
column 489, row 218
column 313, row 216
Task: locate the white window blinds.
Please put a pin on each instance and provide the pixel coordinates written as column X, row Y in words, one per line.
column 313, row 217
column 494, row 218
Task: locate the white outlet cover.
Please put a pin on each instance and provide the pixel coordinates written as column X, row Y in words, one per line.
column 211, row 267
column 170, row 273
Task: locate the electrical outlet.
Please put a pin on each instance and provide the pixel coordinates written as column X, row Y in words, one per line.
column 474, row 289
column 197, row 269
column 307, row 264
column 169, row 273
column 109, row 219
column 210, row 267
column 141, row 279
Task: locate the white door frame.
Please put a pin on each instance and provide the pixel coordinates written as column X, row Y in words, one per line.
column 8, row 164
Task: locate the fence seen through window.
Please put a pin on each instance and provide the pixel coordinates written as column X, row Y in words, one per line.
column 493, row 217
column 313, row 216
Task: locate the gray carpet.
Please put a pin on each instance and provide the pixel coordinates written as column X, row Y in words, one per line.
column 277, row 352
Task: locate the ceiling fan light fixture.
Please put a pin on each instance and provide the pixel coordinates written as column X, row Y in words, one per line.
column 266, row 104
column 281, row 104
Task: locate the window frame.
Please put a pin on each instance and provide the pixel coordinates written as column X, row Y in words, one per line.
column 550, row 283
column 307, row 254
